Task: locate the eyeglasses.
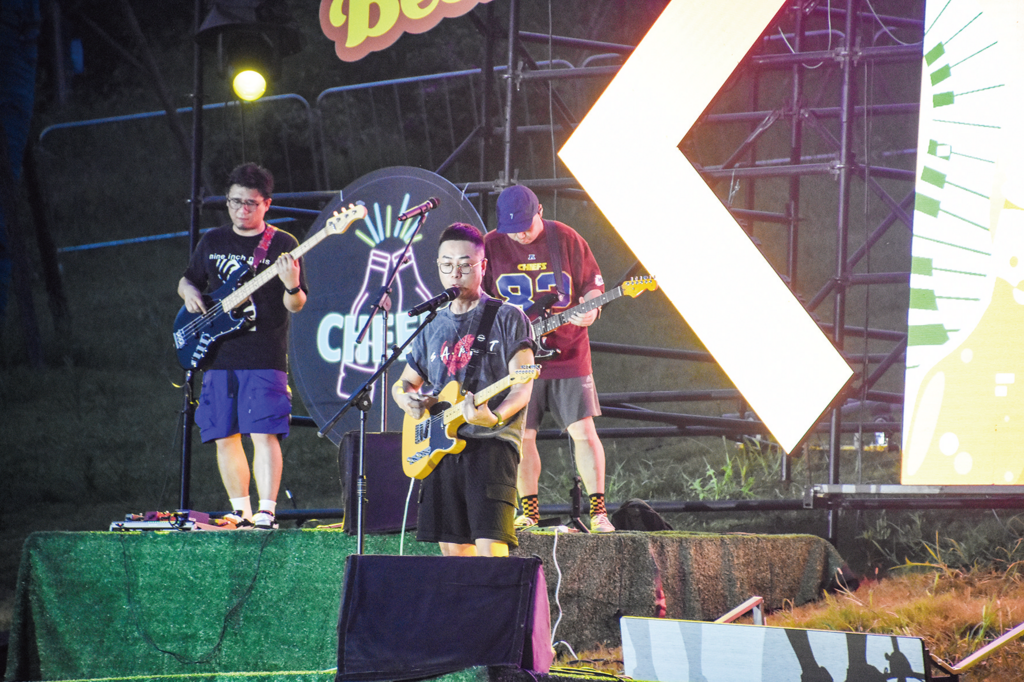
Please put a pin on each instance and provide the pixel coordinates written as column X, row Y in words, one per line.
column 250, row 205
column 446, row 267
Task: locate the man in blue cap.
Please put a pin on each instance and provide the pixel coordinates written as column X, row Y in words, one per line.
column 539, row 264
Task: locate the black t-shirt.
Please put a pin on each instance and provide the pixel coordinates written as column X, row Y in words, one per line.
column 219, row 254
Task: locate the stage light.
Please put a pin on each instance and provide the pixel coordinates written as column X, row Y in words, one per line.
column 250, row 37
column 249, row 85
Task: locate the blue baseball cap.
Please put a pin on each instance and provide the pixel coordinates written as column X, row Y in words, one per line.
column 516, row 207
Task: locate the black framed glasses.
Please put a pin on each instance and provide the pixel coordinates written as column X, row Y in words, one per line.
column 446, row 267
column 250, row 204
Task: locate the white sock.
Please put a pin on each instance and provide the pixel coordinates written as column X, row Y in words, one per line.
column 268, row 505
column 242, row 504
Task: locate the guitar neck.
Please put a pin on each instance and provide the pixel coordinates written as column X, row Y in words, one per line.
column 549, row 324
column 246, row 290
column 479, row 399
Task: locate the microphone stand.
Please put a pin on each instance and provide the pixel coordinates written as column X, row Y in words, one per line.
column 361, row 400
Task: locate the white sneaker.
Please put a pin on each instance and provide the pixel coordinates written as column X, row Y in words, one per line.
column 235, row 520
column 264, row 520
column 599, row 523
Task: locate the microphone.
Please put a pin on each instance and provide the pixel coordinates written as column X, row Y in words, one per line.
column 436, row 302
column 429, row 204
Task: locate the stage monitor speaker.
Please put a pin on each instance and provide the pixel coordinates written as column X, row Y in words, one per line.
column 408, row 617
column 386, row 484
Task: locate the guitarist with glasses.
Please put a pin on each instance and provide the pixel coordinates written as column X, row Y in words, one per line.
column 245, row 384
column 468, row 500
column 527, row 254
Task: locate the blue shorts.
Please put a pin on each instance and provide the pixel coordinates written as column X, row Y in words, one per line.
column 243, row 401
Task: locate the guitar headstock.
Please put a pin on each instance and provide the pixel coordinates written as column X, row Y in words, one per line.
column 524, row 374
column 339, row 222
column 637, row 285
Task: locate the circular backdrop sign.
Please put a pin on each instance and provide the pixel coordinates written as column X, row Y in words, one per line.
column 346, row 274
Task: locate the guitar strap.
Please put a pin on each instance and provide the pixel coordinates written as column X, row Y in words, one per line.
column 479, row 347
column 261, row 249
column 543, row 303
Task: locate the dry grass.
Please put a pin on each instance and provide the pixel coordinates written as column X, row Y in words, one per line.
column 954, row 612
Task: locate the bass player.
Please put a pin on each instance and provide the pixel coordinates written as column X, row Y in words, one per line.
column 245, row 386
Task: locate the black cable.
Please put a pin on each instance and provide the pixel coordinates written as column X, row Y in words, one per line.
column 181, row 658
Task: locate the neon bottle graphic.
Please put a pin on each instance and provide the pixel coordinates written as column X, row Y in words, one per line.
column 359, row 362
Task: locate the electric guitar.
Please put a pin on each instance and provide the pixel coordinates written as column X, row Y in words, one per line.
column 425, row 441
column 547, row 324
column 196, row 334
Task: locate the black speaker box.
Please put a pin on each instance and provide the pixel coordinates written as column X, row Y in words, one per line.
column 409, row 617
column 386, row 484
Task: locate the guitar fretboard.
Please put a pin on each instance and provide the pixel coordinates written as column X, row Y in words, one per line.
column 549, row 324
column 455, row 411
column 235, row 298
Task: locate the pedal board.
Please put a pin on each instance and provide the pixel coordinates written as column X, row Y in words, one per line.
column 182, row 519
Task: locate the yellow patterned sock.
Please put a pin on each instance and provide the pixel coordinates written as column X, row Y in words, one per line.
column 531, row 506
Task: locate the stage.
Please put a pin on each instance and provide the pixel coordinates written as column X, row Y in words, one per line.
column 260, row 604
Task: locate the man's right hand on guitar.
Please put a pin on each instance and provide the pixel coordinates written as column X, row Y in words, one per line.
column 415, row 404
column 192, row 296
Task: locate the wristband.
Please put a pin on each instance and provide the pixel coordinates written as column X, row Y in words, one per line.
column 292, row 292
column 500, row 422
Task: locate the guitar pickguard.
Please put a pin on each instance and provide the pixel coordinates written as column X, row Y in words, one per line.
column 430, row 435
column 196, row 334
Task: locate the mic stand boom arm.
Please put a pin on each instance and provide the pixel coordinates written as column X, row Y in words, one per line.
column 362, row 401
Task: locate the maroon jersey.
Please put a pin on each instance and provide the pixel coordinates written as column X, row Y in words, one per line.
column 521, row 274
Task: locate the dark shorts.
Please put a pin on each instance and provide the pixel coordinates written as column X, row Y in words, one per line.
column 568, row 400
column 243, row 401
column 471, row 495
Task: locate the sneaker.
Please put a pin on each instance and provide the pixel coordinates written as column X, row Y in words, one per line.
column 264, row 520
column 524, row 521
column 235, row 520
column 599, row 523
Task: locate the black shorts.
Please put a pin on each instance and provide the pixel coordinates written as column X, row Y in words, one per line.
column 471, row 495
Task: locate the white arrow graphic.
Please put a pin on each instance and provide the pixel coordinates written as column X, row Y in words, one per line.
column 625, row 155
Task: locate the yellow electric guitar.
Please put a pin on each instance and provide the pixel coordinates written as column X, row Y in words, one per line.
column 425, row 441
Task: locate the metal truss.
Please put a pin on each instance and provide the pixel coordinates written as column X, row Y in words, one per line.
column 809, row 92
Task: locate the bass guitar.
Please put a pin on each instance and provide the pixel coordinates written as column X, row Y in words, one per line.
column 545, row 325
column 425, row 441
column 197, row 334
